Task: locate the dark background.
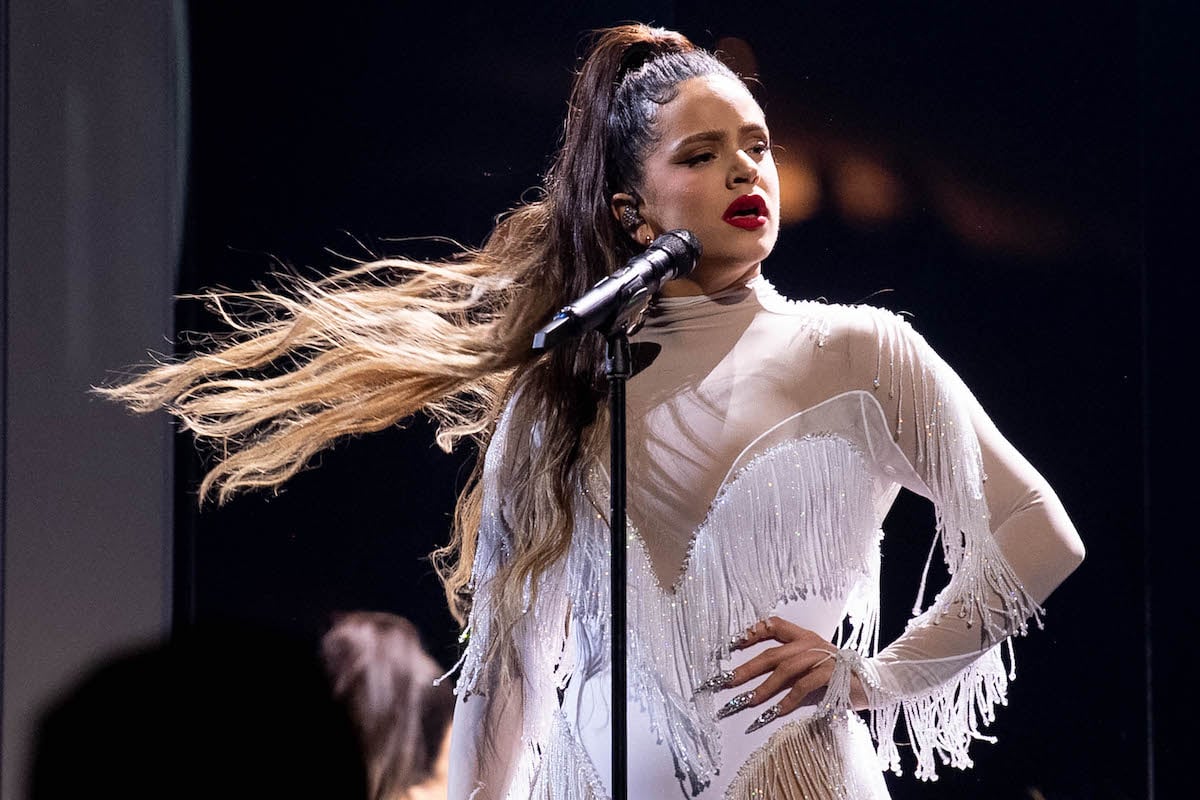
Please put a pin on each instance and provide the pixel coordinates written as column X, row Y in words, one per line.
column 1007, row 143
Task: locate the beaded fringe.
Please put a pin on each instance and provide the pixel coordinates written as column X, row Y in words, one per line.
column 810, row 541
column 942, row 723
column 565, row 771
column 805, row 760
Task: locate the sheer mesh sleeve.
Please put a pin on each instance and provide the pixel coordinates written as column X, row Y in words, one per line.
column 1006, row 539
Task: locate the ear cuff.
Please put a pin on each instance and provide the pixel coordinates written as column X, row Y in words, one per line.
column 631, row 220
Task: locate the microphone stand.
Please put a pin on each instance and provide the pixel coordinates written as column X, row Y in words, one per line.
column 618, row 368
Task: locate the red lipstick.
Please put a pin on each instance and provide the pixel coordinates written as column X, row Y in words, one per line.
column 748, row 212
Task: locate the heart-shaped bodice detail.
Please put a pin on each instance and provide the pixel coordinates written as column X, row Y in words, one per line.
column 854, row 417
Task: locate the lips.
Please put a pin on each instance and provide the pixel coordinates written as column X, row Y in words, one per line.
column 748, row 211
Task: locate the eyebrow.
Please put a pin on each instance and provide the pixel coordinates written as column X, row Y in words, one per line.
column 718, row 135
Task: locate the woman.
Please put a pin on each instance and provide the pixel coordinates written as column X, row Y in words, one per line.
column 767, row 441
column 387, row 684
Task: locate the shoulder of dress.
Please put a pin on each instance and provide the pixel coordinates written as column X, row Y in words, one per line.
column 845, row 313
column 857, row 321
column 518, row 430
column 852, row 326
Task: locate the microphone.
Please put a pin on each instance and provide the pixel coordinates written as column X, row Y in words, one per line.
column 622, row 297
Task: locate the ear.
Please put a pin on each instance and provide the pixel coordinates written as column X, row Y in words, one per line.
column 625, row 209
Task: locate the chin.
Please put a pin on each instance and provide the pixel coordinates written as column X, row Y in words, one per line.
column 751, row 256
column 742, row 252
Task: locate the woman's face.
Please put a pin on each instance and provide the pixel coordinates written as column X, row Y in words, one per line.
column 710, row 170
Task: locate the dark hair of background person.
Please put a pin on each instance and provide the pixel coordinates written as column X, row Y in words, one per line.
column 385, row 680
column 217, row 711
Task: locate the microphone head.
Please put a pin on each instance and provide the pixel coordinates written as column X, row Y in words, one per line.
column 682, row 248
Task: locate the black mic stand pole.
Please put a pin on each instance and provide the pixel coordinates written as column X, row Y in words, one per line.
column 618, row 369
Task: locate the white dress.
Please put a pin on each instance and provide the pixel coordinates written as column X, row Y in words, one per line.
column 767, row 441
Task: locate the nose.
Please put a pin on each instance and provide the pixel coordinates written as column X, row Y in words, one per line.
column 743, row 170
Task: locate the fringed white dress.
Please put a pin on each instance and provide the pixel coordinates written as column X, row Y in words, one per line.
column 767, row 441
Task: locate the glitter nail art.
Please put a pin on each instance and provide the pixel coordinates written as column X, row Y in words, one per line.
column 717, row 682
column 767, row 716
column 736, row 704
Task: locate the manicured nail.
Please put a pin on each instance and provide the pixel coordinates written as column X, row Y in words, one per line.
column 736, row 704
column 767, row 716
column 716, row 683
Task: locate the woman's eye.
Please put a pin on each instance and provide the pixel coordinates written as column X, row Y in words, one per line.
column 699, row 158
column 760, row 148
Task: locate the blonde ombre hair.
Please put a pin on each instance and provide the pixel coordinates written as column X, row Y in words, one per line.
column 314, row 361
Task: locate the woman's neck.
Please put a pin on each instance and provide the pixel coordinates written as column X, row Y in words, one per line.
column 707, row 282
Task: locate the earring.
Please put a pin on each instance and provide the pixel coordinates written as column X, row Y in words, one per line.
column 630, row 218
column 649, row 238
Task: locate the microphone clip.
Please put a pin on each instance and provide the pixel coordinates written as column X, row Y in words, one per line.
column 617, row 304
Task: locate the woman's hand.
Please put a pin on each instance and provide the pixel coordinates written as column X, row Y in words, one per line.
column 802, row 664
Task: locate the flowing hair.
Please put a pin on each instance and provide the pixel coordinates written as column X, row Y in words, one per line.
column 314, row 361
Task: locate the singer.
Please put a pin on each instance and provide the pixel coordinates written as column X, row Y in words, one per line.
column 767, row 439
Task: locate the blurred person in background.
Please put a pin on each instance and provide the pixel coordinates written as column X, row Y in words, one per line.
column 386, row 681
column 218, row 710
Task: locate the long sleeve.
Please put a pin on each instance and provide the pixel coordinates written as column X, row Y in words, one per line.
column 1008, row 543
column 485, row 743
column 507, row 739
column 486, row 738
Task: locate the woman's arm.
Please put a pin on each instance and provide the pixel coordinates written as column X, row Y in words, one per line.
column 489, row 716
column 1008, row 544
column 1035, row 537
column 1007, row 541
column 1028, row 520
column 485, row 742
